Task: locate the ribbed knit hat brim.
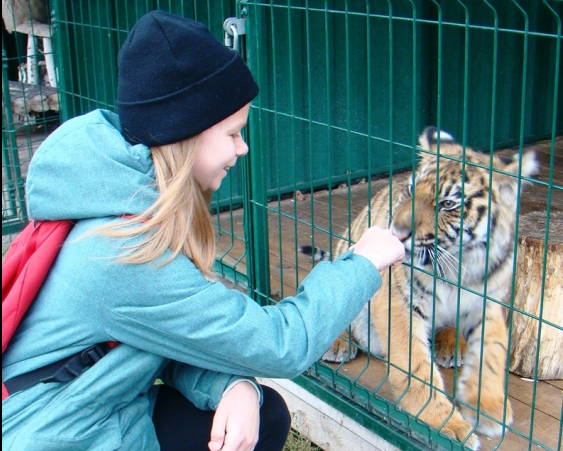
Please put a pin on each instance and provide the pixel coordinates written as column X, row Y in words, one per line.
column 176, row 80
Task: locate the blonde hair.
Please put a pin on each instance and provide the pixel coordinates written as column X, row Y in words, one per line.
column 179, row 220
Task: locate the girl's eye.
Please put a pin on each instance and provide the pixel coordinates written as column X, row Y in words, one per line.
column 236, row 135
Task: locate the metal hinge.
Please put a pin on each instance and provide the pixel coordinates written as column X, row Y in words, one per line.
column 234, row 28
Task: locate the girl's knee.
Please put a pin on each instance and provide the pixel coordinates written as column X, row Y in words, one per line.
column 274, row 405
column 275, row 419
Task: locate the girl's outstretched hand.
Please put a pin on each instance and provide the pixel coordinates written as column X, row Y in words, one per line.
column 380, row 247
column 237, row 420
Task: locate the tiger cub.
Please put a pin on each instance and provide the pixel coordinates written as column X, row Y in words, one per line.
column 464, row 212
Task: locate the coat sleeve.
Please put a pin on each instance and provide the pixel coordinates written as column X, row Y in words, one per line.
column 203, row 388
column 174, row 311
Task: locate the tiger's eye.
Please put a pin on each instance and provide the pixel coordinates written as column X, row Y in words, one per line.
column 448, row 204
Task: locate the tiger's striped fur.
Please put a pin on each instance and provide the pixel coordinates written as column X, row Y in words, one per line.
column 458, row 230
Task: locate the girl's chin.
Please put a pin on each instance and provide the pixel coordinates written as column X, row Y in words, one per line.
column 215, row 186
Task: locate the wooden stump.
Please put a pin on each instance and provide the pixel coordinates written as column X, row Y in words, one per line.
column 528, row 298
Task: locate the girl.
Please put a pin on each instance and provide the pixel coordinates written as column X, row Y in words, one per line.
column 136, row 269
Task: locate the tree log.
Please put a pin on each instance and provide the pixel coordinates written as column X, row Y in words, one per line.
column 541, row 301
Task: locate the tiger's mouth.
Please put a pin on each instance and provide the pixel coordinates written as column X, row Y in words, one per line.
column 417, row 253
column 420, row 255
column 433, row 257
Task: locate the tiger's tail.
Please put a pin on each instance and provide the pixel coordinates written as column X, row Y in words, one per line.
column 318, row 254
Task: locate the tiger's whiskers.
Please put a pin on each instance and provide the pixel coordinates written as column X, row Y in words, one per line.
column 452, row 263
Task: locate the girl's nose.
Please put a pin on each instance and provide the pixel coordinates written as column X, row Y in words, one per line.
column 242, row 148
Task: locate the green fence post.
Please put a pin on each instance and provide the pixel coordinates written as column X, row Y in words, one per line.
column 15, row 218
column 256, row 215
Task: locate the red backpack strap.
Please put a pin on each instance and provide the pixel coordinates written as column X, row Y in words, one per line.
column 24, row 268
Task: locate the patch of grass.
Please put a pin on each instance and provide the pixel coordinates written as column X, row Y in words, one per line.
column 296, row 442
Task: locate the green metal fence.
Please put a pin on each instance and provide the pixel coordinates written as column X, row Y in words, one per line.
column 345, row 89
column 29, row 105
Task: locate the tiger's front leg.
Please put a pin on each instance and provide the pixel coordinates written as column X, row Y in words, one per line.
column 484, row 389
column 416, row 381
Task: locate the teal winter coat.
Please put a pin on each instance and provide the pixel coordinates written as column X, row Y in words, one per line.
column 171, row 321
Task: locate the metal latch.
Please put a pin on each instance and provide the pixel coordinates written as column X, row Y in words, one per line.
column 233, row 29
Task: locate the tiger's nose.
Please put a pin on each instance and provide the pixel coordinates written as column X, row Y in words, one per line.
column 401, row 232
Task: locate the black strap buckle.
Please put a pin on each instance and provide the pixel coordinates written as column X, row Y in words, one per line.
column 78, row 363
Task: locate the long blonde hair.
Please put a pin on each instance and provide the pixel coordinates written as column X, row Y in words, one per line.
column 179, row 220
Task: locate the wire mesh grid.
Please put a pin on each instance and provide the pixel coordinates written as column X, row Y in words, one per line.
column 346, row 89
column 30, row 107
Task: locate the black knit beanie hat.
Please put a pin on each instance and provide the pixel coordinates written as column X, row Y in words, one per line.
column 176, row 80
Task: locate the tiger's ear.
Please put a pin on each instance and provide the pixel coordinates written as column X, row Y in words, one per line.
column 509, row 183
column 428, row 139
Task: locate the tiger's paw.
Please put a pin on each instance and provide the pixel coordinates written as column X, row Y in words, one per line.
column 445, row 348
column 461, row 431
column 456, row 427
column 340, row 351
column 493, row 408
column 441, row 415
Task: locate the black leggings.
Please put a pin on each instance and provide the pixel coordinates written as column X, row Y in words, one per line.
column 182, row 426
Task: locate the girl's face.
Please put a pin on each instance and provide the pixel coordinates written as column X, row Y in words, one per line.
column 219, row 148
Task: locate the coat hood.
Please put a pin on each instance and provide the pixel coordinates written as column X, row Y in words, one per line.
column 86, row 169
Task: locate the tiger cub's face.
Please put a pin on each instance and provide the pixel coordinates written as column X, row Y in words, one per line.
column 455, row 206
